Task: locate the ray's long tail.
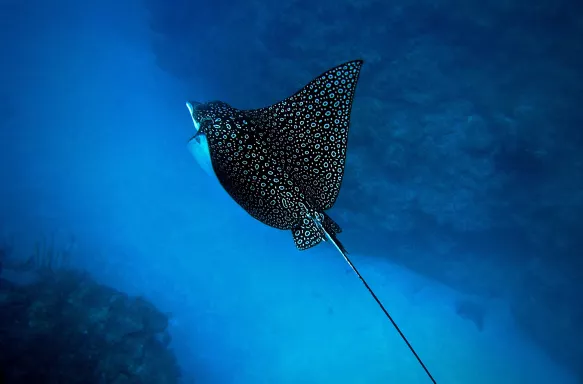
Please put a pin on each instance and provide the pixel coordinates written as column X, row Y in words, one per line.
column 338, row 245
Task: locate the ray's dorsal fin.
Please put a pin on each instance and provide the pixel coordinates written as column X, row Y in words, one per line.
column 312, row 132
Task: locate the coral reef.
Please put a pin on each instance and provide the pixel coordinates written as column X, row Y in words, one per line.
column 66, row 328
column 47, row 256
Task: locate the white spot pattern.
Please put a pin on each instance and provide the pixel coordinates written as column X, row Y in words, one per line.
column 285, row 162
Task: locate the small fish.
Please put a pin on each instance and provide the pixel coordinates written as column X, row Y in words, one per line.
column 284, row 163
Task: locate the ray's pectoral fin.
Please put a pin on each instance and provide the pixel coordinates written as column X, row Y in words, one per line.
column 307, row 235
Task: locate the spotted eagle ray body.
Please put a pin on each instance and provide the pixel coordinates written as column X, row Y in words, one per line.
column 284, row 163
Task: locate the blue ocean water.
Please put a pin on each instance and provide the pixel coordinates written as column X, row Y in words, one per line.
column 461, row 203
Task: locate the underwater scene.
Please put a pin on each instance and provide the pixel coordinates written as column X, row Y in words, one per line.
column 291, row 192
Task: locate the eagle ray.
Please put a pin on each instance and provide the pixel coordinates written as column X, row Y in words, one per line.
column 284, row 163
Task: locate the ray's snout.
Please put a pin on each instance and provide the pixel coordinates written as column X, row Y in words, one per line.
column 191, row 105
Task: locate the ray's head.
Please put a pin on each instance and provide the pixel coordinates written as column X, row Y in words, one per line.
column 195, row 113
column 202, row 113
column 198, row 144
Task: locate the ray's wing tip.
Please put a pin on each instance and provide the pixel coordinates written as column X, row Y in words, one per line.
column 356, row 62
column 352, row 65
